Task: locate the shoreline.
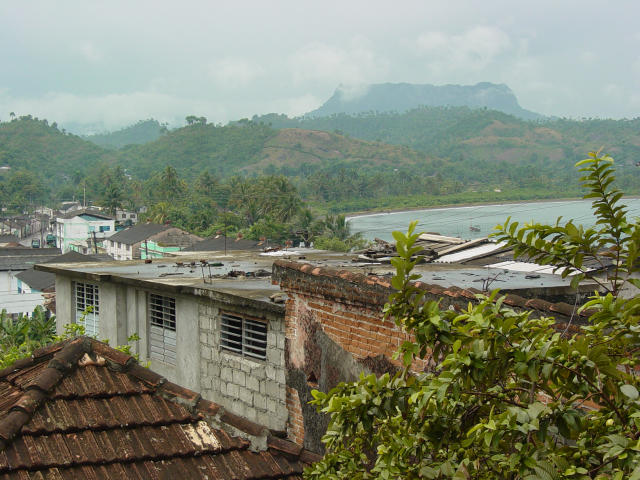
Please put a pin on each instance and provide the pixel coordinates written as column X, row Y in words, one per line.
column 370, row 213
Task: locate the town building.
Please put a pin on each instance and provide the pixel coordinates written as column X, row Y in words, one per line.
column 33, row 281
column 82, row 409
column 14, row 260
column 83, row 230
column 257, row 336
column 126, row 217
column 148, row 240
column 209, row 324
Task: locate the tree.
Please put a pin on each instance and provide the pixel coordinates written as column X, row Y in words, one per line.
column 507, row 395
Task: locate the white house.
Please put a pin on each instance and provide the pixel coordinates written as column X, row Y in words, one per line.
column 77, row 230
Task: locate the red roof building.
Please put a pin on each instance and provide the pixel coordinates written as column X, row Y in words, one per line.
column 81, row 409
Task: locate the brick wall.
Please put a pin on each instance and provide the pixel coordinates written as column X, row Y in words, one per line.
column 253, row 389
column 295, row 422
column 331, row 312
column 334, row 330
column 357, row 329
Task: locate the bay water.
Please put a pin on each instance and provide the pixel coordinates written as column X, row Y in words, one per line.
column 477, row 221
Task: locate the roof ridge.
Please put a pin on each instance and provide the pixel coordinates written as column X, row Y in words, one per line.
column 33, row 393
column 70, row 354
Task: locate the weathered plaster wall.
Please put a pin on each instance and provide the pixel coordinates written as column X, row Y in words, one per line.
column 250, row 388
column 64, row 303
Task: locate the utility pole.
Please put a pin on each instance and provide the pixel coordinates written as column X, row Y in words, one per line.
column 84, row 195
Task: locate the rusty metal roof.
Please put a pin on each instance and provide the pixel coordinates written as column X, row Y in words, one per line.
column 81, row 409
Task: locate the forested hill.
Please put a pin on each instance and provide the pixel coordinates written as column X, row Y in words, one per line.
column 457, row 155
column 249, row 148
column 401, row 97
column 479, row 134
column 244, row 148
column 144, row 131
column 35, row 145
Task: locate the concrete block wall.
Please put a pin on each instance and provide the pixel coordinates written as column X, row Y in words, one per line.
column 251, row 388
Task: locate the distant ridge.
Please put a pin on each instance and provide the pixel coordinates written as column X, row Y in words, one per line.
column 142, row 132
column 401, row 97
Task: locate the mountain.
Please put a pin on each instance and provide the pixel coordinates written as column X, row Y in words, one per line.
column 53, row 154
column 144, row 131
column 400, row 97
column 488, row 135
column 252, row 148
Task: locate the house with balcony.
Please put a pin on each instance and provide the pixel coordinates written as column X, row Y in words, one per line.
column 83, row 231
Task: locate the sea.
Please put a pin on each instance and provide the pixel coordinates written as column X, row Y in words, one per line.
column 476, row 221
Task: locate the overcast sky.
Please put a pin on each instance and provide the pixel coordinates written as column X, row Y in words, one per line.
column 111, row 63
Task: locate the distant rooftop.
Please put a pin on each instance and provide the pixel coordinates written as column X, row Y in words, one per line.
column 138, row 233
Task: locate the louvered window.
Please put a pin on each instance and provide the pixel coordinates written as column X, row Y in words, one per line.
column 244, row 336
column 162, row 328
column 88, row 307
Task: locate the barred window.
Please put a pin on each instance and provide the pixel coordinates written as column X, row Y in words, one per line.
column 245, row 336
column 88, row 298
column 162, row 328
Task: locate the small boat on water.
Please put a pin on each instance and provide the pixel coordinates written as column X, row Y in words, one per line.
column 474, row 228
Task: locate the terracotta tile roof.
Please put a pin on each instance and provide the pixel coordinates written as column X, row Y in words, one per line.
column 81, row 409
column 562, row 311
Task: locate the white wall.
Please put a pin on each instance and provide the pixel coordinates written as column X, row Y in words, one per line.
column 122, row 252
column 14, row 302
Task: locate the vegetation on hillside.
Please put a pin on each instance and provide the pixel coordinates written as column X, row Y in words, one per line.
column 144, row 131
column 458, row 155
column 506, row 395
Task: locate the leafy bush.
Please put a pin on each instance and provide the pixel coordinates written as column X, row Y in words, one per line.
column 506, row 395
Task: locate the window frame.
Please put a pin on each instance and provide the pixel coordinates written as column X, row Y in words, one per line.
column 92, row 319
column 250, row 345
column 162, row 326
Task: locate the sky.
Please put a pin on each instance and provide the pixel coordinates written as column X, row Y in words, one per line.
column 103, row 65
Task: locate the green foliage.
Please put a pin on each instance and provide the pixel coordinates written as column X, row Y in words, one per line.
column 19, row 337
column 335, row 234
column 504, row 394
column 612, row 241
column 144, row 131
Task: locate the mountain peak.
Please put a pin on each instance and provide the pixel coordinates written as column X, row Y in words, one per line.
column 400, row 97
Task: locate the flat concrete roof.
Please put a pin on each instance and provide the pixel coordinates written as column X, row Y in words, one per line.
column 244, row 275
column 240, row 273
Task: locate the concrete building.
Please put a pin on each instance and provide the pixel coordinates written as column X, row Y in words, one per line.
column 148, row 240
column 126, row 217
column 220, row 328
column 77, row 230
column 13, row 297
column 211, row 326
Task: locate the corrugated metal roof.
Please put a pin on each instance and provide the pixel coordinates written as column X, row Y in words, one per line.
column 528, row 267
column 469, row 253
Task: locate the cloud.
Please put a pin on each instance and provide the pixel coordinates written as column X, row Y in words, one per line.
column 319, row 63
column 234, row 72
column 300, row 105
column 470, row 51
column 109, row 111
column 90, row 52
